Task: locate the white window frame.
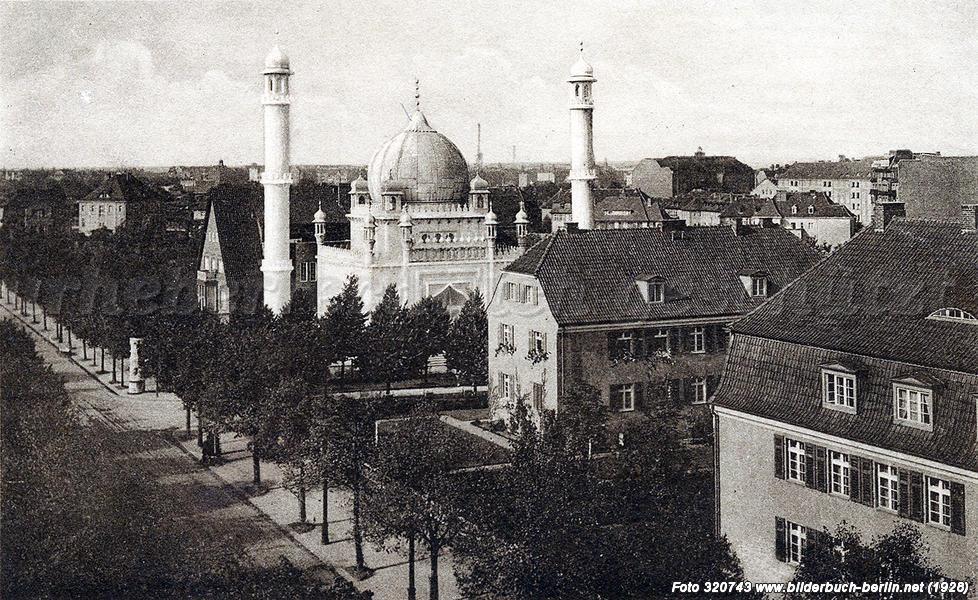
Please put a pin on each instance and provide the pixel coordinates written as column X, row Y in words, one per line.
column 917, row 401
column 626, row 393
column 699, row 340
column 887, row 487
column 663, row 334
column 758, row 287
column 796, row 542
column 539, row 344
column 796, row 461
column 657, row 292
column 509, row 335
column 840, row 473
column 625, row 336
column 699, row 390
column 834, row 381
column 938, row 511
column 507, row 390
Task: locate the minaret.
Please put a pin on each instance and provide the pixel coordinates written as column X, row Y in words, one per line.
column 582, row 143
column 277, row 178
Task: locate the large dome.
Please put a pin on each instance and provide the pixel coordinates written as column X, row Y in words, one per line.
column 422, row 163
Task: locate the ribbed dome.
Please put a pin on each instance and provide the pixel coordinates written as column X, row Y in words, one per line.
column 359, row 184
column 478, row 184
column 425, row 165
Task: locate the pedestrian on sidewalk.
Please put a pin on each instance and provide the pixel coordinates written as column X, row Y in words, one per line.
column 208, row 452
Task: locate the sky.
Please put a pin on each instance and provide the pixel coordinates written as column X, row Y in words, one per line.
column 117, row 84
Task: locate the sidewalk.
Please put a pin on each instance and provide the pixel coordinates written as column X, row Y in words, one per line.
column 164, row 412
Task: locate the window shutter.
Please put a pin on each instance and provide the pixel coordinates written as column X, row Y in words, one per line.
column 904, row 508
column 779, row 456
column 639, row 396
column 855, row 478
column 545, row 342
column 612, row 351
column 821, row 469
column 531, row 342
column 712, row 382
column 614, row 400
column 780, row 545
column 916, row 496
column 868, row 493
column 639, row 343
column 957, row 508
column 676, row 339
column 502, row 384
column 810, row 465
column 499, row 334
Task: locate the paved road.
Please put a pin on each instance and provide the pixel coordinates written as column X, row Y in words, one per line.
column 217, row 507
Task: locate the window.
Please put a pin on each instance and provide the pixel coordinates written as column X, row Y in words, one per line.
column 811, row 210
column 938, row 502
column 699, row 390
column 625, row 344
column 794, row 209
column 826, row 184
column 797, row 540
column 888, row 487
column 508, row 336
column 913, row 406
column 623, row 397
column 840, row 473
column 539, row 342
column 307, row 271
column 657, row 291
column 659, row 341
column 758, row 286
column 839, row 390
column 953, row 314
column 796, row 461
column 506, row 385
column 699, row 339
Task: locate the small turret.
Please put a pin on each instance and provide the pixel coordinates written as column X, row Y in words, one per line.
column 491, row 223
column 406, row 226
column 319, row 223
column 522, row 223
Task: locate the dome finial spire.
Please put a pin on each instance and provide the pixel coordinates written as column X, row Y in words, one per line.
column 417, row 94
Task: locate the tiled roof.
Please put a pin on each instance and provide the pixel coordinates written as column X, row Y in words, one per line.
column 781, row 381
column 824, row 207
column 126, row 187
column 590, row 276
column 239, row 236
column 872, row 298
column 845, row 169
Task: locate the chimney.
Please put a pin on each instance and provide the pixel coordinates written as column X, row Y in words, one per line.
column 884, row 212
column 572, row 228
column 969, row 217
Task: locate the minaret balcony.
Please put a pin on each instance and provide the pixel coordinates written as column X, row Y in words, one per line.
column 276, row 99
column 276, row 178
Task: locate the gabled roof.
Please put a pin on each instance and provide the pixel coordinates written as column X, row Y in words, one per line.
column 823, row 205
column 589, row 276
column 845, row 169
column 239, row 236
column 874, row 295
column 126, row 187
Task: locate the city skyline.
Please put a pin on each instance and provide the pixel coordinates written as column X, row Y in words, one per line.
column 143, row 85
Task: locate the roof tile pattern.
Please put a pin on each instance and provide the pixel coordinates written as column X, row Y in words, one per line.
column 590, row 276
column 873, row 298
column 782, row 381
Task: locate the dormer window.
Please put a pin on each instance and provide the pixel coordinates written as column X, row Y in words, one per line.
column 839, row 387
column 913, row 401
column 794, row 209
column 652, row 288
column 953, row 314
column 811, row 210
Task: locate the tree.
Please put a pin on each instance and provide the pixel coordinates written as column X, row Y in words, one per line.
column 383, row 355
column 900, row 556
column 349, row 424
column 290, row 414
column 417, row 492
column 345, row 321
column 467, row 351
column 428, row 324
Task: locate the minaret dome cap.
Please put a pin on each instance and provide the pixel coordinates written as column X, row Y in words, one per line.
column 491, row 218
column 478, row 184
column 581, row 69
column 276, row 61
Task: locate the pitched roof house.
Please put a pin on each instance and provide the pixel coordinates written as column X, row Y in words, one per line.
column 855, row 393
column 601, row 306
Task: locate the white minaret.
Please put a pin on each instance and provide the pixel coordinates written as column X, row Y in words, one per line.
column 582, row 142
column 277, row 178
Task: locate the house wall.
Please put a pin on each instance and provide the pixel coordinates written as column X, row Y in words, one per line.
column 95, row 214
column 750, row 497
column 853, row 193
column 833, row 231
column 652, row 178
column 523, row 317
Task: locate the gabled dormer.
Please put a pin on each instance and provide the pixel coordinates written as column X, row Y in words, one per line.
column 756, row 283
column 652, row 288
column 840, row 386
column 913, row 400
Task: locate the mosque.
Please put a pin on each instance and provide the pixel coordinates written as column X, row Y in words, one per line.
column 417, row 220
